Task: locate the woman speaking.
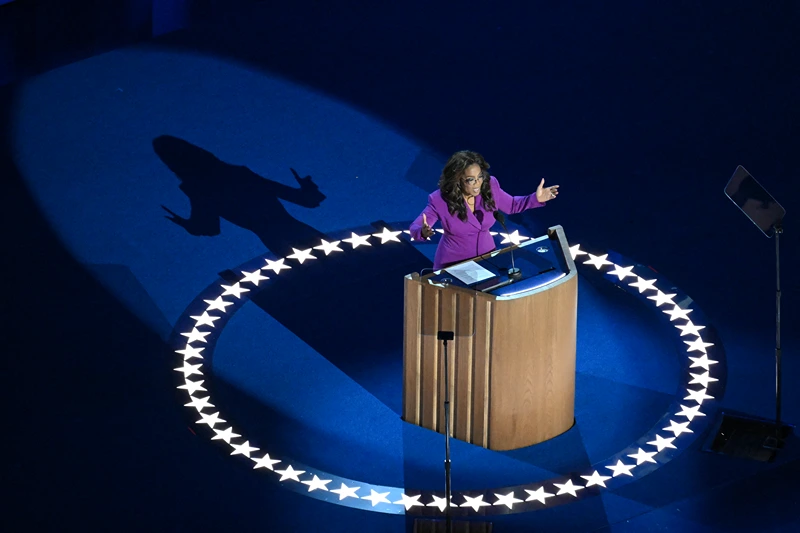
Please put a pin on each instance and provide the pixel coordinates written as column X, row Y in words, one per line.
column 464, row 205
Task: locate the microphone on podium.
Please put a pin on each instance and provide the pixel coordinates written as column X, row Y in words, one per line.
column 513, row 272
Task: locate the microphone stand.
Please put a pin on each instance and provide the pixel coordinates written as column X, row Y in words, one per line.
column 513, row 273
column 450, row 527
column 447, row 336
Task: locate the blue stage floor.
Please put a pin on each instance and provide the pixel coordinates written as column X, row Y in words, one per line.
column 274, row 150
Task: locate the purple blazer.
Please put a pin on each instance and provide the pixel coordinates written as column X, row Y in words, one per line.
column 464, row 240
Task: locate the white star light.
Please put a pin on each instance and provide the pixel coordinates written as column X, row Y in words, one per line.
column 690, row 412
column 596, row 479
column 575, row 251
column 301, row 255
column 205, row 319
column 621, row 273
column 539, row 495
column 661, row 298
column 568, row 488
column 410, row 501
column 196, row 335
column 346, row 492
column 702, row 379
column 387, row 235
column 189, row 370
column 329, row 247
column 234, row 290
column 703, row 361
column 690, row 329
column 219, row 304
column 376, row 497
column 643, row 284
column 193, row 386
column 476, row 502
column 265, row 462
column 290, row 473
column 621, row 468
column 597, row 261
column 441, row 503
column 677, row 429
column 316, row 483
column 190, row 352
column 276, row 266
column 514, row 237
column 243, row 449
column 199, row 403
column 226, row 434
column 643, row 457
column 677, row 313
column 358, row 240
column 698, row 345
column 698, row 395
column 212, row 419
column 662, row 443
column 508, row 500
column 253, row 277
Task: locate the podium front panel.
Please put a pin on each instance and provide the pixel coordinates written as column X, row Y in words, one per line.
column 533, row 368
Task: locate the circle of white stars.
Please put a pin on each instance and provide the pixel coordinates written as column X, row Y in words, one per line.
column 397, row 499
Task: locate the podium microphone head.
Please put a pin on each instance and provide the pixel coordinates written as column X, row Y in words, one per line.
column 500, row 218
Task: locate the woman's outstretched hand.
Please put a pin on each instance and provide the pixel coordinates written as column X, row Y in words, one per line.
column 544, row 194
column 427, row 231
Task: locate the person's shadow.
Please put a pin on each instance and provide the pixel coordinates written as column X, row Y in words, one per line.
column 219, row 190
column 350, row 311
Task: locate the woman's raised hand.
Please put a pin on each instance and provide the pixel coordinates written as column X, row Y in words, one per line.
column 427, row 231
column 544, row 194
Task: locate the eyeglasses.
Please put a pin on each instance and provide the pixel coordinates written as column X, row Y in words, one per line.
column 473, row 181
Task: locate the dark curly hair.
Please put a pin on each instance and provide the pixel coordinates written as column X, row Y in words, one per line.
column 450, row 182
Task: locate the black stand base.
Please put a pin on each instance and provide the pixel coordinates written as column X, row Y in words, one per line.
column 747, row 437
column 462, row 526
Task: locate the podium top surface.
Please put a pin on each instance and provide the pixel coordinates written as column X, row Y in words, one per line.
column 541, row 262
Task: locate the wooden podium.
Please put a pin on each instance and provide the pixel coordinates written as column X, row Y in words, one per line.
column 512, row 362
